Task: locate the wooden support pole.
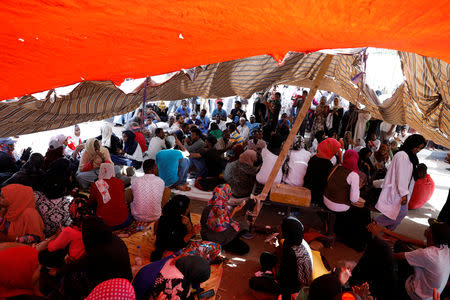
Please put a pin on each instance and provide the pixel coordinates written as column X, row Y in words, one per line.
column 290, row 139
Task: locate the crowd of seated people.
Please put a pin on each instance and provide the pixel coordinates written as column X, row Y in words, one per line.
column 64, row 242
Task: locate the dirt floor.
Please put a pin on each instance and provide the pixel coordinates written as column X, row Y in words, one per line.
column 239, row 269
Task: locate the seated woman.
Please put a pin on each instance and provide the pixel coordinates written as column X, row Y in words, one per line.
column 52, row 201
column 174, row 232
column 269, row 157
column 55, row 151
column 218, row 225
column 109, row 140
column 364, row 163
column 319, row 136
column 295, row 269
column 8, row 164
column 348, row 141
column 294, row 167
column 67, row 245
column 91, row 159
column 319, row 167
column 341, row 195
column 20, row 272
column 106, row 258
column 21, row 221
column 107, row 195
column 30, row 174
column 380, row 161
column 131, row 155
column 241, row 174
column 171, row 278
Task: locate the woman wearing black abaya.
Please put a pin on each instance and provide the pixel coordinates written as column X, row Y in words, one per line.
column 31, row 173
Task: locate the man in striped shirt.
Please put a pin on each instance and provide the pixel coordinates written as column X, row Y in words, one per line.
column 235, row 138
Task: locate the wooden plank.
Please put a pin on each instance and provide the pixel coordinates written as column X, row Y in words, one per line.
column 290, row 139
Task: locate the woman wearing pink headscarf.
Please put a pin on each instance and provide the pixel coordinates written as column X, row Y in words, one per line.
column 341, row 195
column 107, row 193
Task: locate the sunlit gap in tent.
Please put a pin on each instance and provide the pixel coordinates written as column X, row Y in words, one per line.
column 383, row 71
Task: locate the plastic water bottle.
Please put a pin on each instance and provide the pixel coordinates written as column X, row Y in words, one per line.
column 137, row 261
column 138, row 258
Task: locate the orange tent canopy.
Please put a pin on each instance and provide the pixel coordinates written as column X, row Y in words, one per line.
column 51, row 43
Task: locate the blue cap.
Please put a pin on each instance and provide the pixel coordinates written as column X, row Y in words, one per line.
column 7, row 141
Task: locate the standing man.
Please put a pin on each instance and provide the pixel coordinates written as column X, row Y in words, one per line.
column 274, row 108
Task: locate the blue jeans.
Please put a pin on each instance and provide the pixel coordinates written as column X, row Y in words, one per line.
column 123, row 161
column 392, row 224
column 124, row 224
column 173, row 105
column 200, row 165
column 183, row 167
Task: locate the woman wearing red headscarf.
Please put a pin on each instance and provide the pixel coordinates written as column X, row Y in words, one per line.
column 341, row 195
column 20, row 219
column 319, row 167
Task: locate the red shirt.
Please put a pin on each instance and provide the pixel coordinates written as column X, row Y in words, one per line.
column 115, row 212
column 68, row 236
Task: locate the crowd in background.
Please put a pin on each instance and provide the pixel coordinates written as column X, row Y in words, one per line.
column 65, row 207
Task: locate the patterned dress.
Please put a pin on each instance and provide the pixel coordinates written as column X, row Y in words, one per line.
column 54, row 212
column 319, row 121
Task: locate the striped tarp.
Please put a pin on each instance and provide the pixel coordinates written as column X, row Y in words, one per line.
column 416, row 102
column 426, row 97
column 90, row 100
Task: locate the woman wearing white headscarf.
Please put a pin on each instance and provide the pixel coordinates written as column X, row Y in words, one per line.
column 109, row 140
column 296, row 163
column 107, row 194
column 91, row 159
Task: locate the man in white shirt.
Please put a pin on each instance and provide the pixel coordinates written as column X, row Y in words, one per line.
column 422, row 270
column 157, row 143
column 243, row 129
column 148, row 192
column 222, row 124
column 431, row 264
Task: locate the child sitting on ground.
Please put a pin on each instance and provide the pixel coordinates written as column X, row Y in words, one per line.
column 423, row 188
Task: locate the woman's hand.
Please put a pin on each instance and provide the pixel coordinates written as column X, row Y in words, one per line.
column 360, row 203
column 362, row 290
column 375, row 229
column 196, row 229
column 404, row 200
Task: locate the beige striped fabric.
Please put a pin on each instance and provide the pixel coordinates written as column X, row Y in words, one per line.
column 421, row 102
column 426, row 97
column 90, row 100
